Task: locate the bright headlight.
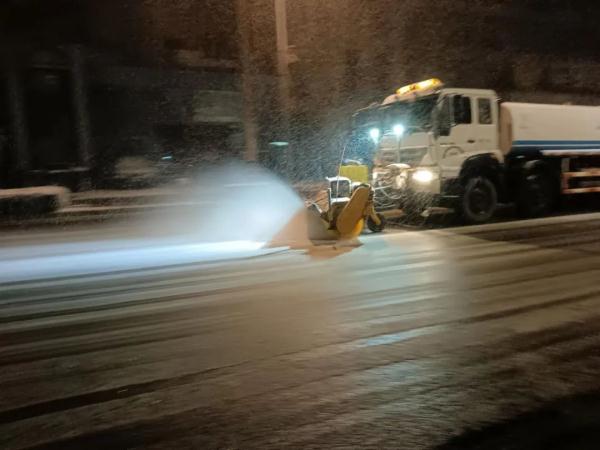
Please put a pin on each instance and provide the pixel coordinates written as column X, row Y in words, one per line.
column 375, row 133
column 423, row 176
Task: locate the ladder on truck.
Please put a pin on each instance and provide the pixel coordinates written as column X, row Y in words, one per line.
column 579, row 170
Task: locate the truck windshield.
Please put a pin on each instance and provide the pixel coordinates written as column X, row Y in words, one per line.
column 409, row 114
column 412, row 116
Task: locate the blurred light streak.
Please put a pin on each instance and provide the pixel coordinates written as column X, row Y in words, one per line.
column 76, row 261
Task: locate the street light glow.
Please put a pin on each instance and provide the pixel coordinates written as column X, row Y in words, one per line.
column 398, row 129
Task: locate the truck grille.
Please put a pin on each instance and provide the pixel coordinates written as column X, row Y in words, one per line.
column 411, row 156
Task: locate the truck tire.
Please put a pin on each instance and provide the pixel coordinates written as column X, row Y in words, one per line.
column 536, row 196
column 479, row 200
column 373, row 226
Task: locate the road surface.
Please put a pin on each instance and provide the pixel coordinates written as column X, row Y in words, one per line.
column 412, row 340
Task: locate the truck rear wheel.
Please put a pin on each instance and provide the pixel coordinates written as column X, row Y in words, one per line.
column 479, row 200
column 536, row 197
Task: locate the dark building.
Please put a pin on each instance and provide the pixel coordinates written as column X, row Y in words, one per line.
column 90, row 84
column 43, row 105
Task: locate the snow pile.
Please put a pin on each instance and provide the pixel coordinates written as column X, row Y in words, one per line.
column 33, row 200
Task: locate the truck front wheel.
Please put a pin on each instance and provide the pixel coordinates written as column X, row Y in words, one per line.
column 479, row 200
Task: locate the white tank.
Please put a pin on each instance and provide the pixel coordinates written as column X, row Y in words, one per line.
column 560, row 127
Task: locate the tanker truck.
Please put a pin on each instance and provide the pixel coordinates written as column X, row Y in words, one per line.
column 433, row 146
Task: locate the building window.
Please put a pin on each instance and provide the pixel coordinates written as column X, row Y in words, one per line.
column 484, row 106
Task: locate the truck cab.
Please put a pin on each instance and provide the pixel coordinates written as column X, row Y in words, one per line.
column 467, row 125
column 425, row 133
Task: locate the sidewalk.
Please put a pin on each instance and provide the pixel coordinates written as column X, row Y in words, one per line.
column 124, row 197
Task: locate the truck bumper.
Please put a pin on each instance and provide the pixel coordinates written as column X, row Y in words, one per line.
column 419, row 201
column 424, row 200
column 416, row 190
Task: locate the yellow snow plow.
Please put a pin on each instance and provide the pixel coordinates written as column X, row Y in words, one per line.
column 350, row 206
